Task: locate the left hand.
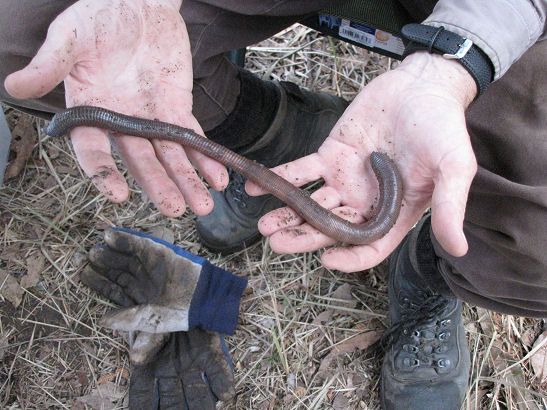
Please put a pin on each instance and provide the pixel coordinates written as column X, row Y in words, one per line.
column 414, row 113
column 132, row 57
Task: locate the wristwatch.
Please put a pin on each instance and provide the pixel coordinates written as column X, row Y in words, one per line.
column 452, row 46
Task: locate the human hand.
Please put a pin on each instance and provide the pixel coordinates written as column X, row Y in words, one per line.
column 415, row 114
column 132, row 57
column 162, row 287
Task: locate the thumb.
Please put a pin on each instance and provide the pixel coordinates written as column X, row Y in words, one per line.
column 449, row 202
column 143, row 347
column 147, row 318
column 51, row 65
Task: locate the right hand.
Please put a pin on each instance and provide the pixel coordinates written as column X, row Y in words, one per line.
column 132, row 57
column 415, row 113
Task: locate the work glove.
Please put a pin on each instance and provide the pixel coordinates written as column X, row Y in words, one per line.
column 162, row 287
column 192, row 370
column 181, row 370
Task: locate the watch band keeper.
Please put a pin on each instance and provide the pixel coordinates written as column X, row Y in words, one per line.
column 451, row 46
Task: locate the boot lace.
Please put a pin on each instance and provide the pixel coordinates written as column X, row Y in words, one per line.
column 236, row 188
column 424, row 336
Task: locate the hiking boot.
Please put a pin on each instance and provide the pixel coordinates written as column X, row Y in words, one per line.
column 426, row 363
column 301, row 123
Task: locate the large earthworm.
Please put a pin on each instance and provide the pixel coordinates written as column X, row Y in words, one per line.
column 389, row 178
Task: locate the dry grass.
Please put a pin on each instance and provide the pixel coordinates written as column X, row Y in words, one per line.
column 53, row 353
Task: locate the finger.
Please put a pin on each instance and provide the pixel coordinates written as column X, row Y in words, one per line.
column 298, row 173
column 176, row 160
column 105, row 259
column 125, row 272
column 143, row 164
column 105, row 287
column 171, row 393
column 219, row 372
column 213, row 360
column 363, row 257
column 135, row 291
column 150, row 253
column 213, row 171
column 286, row 217
column 92, row 148
column 306, row 238
column 145, row 347
column 140, row 248
column 142, row 386
column 449, row 202
column 51, row 65
column 196, row 390
column 181, row 171
column 120, row 240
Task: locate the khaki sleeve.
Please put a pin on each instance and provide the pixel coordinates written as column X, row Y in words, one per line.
column 503, row 29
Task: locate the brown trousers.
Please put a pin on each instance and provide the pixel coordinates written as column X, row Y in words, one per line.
column 506, row 220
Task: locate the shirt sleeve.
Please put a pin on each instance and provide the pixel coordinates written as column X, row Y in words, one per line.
column 503, row 29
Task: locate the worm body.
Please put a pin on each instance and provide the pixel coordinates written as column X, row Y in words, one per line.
column 389, row 179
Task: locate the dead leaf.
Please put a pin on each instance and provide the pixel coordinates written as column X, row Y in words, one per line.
column 103, row 396
column 358, row 342
column 53, row 152
column 475, row 398
column 22, row 143
column 35, row 266
column 343, row 298
column 3, row 346
column 539, row 359
column 10, row 289
column 163, row 233
column 10, row 252
column 300, row 391
column 113, row 376
column 343, row 293
column 513, row 381
column 485, row 320
column 63, row 169
column 529, row 336
column 355, row 379
column 323, row 317
column 82, row 378
column 340, row 402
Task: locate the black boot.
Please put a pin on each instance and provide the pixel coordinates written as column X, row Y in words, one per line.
column 426, row 364
column 298, row 122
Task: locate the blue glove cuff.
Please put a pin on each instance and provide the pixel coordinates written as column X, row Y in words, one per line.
column 216, row 299
column 215, row 304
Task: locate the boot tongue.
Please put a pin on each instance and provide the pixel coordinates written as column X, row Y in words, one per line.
column 253, row 114
column 274, row 128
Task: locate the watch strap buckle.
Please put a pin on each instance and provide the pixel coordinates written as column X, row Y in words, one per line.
column 462, row 51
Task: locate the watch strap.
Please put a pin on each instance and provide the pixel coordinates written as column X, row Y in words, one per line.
column 438, row 40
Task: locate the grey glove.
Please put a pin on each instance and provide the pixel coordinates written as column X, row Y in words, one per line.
column 180, row 370
column 168, row 288
column 191, row 371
